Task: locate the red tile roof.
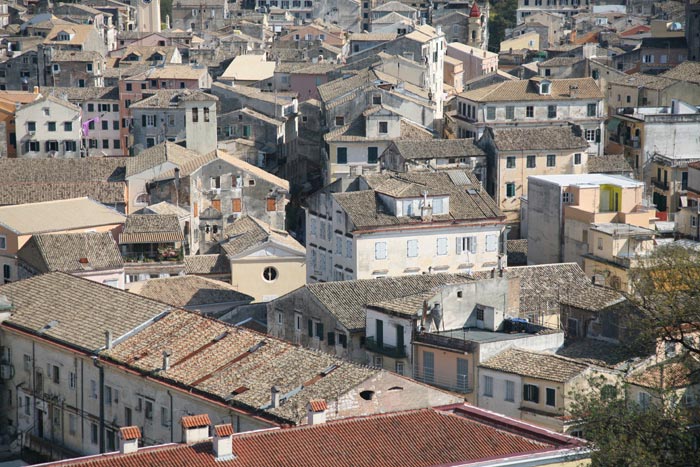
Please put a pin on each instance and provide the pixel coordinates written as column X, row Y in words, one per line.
column 417, row 438
column 223, row 430
column 130, row 432
column 318, row 405
column 196, row 421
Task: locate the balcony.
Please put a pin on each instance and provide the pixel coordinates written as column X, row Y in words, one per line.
column 661, row 185
column 446, row 342
column 384, row 349
column 632, row 143
column 456, row 383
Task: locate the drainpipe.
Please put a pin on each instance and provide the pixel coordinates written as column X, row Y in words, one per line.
column 102, row 403
column 172, row 420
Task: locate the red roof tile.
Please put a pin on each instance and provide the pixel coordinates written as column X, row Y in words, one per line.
column 130, row 432
column 417, row 438
column 318, row 405
column 223, row 430
column 196, row 421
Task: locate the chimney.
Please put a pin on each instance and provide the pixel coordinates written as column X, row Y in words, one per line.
column 129, row 437
column 316, row 412
column 572, row 90
column 274, row 397
column 36, row 89
column 426, row 210
column 222, row 443
column 166, row 360
column 422, row 20
column 195, row 428
column 108, row 340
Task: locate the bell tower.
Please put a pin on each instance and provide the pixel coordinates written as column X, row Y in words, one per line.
column 474, row 33
column 147, row 15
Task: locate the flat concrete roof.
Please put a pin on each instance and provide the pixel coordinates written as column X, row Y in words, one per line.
column 482, row 335
column 587, row 179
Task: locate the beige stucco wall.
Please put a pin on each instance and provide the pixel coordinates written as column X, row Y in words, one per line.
column 247, row 276
column 446, row 367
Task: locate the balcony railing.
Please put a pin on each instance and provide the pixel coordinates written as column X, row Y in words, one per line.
column 381, row 348
column 456, row 383
column 633, row 143
column 443, row 341
column 662, row 185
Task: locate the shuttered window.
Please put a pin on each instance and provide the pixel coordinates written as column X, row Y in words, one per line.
column 491, row 242
column 236, row 204
column 442, row 246
column 271, row 204
column 380, row 250
column 412, row 248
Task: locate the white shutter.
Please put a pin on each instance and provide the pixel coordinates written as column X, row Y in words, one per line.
column 491, row 242
column 442, row 246
column 412, row 248
column 437, row 206
column 380, row 250
column 472, row 246
column 459, row 245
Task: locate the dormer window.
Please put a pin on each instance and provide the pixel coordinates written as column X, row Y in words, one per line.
column 545, row 87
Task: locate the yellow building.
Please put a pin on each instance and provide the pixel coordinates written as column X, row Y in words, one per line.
column 9, row 101
column 265, row 262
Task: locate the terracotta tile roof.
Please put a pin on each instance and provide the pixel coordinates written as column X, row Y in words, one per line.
column 151, row 228
column 528, row 90
column 551, row 138
column 609, row 164
column 156, row 155
column 548, row 286
column 347, row 85
column 163, row 208
column 517, row 252
column 223, row 430
column 165, row 98
column 640, row 80
column 600, row 353
column 437, row 148
column 189, row 291
column 195, row 421
column 318, row 405
column 107, row 193
column 81, row 310
column 346, row 299
column 420, row 438
column 678, row 372
column 247, row 232
column 74, row 252
column 130, row 432
column 686, row 71
column 207, row 264
column 253, row 170
column 83, row 95
column 538, row 365
column 468, row 201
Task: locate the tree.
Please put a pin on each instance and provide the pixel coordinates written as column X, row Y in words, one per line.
column 623, row 433
column 502, row 16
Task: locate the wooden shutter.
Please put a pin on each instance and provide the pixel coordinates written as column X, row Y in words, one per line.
column 195, row 209
column 236, row 204
column 271, row 204
column 216, row 204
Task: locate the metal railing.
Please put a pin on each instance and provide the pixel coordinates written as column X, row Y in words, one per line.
column 443, row 341
column 662, row 185
column 456, row 383
column 382, row 348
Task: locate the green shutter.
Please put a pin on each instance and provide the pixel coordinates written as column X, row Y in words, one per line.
column 311, row 328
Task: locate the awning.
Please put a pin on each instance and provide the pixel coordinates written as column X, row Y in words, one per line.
column 613, row 124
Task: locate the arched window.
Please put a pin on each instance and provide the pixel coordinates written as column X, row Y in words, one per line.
column 270, row 274
column 142, row 198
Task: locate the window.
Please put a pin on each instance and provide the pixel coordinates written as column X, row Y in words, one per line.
column 412, row 248
column 6, row 271
column 548, row 72
column 339, row 245
column 117, row 144
column 647, row 58
column 31, row 126
column 27, row 362
column 148, row 410
column 442, row 246
column 72, row 423
column 195, row 114
column 592, row 110
column 3, row 242
column 93, row 433
column 56, row 374
column 383, row 128
column 105, row 125
column 510, row 162
column 108, row 395
column 105, row 144
column 590, row 135
column 531, row 393
column 342, row 155
column 510, row 190
column 490, row 113
column 643, row 399
column 91, row 107
column 551, row 160
column 206, row 114
column 531, row 162
column 480, row 313
column 67, row 126
column 70, row 146
column 462, row 374
column 270, row 274
column 339, row 121
column 73, row 380
column 52, row 126
column 34, row 146
column 343, row 339
column 551, row 397
column 529, row 111
column 164, row 417
column 115, row 107
column 544, row 88
column 510, row 112
column 466, row 244
column 567, row 198
column 27, row 405
column 510, row 391
column 380, row 250
column 215, row 182
column 319, row 330
column 372, row 155
column 348, row 248
column 491, row 242
column 551, row 111
column 577, row 158
column 488, row 386
column 377, row 99
column 128, row 86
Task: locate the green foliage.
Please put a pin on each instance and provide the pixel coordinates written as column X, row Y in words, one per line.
column 502, row 16
column 166, row 8
column 624, row 434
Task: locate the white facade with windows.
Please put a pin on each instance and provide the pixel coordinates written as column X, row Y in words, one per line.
column 48, row 127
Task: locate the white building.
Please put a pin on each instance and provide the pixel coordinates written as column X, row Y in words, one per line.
column 561, row 7
column 48, row 127
column 536, row 102
column 393, row 225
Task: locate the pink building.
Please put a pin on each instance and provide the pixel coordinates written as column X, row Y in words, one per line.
column 477, row 62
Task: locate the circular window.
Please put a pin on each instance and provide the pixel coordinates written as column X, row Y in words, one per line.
column 270, row 274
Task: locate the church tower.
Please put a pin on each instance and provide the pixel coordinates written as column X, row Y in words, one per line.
column 147, row 15
column 474, row 32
